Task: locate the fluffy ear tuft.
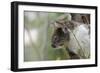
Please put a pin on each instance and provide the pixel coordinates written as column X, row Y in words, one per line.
column 57, row 24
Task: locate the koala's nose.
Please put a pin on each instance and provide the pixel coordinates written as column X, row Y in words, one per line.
column 54, row 46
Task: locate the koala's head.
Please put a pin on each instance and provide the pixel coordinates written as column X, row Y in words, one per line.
column 61, row 33
column 59, row 38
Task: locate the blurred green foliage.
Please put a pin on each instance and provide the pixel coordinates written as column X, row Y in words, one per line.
column 43, row 46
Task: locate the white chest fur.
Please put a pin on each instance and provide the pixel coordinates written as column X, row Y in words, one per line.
column 80, row 40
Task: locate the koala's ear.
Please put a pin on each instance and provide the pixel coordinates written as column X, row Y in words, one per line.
column 57, row 24
column 54, row 25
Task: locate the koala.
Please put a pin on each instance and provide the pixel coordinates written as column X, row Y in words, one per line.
column 65, row 34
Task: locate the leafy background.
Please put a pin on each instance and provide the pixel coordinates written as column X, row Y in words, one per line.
column 41, row 22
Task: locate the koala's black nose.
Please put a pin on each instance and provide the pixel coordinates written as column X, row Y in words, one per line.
column 53, row 46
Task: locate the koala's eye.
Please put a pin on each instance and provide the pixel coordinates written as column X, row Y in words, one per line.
column 65, row 30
